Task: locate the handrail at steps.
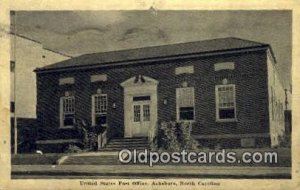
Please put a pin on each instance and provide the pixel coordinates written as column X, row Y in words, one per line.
column 88, row 133
column 102, row 139
column 152, row 134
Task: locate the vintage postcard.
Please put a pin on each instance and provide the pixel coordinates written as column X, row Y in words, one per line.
column 149, row 95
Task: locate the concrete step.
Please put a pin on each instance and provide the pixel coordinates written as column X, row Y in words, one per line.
column 120, row 148
column 117, row 144
column 129, row 140
column 127, row 145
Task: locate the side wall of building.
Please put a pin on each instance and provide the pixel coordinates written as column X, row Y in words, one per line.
column 28, row 55
column 276, row 103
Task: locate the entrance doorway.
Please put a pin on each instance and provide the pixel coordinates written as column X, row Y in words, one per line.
column 141, row 116
column 140, row 106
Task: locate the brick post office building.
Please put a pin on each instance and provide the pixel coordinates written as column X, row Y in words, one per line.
column 229, row 88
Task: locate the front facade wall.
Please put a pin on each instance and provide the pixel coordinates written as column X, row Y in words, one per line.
column 249, row 77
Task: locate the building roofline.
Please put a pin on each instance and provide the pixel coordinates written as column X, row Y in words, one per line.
column 25, row 37
column 46, row 48
column 153, row 59
column 217, row 44
column 272, row 54
column 178, row 43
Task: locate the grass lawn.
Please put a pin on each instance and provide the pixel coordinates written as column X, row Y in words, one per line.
column 284, row 158
column 35, row 159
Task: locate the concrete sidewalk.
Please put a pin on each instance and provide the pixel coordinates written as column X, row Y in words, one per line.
column 143, row 171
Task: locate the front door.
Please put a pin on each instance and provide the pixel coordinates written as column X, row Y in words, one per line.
column 141, row 118
column 140, row 106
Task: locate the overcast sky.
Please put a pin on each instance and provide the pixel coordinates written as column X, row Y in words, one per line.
column 79, row 32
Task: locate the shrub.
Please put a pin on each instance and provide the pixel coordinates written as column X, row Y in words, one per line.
column 73, row 149
column 188, row 141
column 174, row 136
column 153, row 144
column 92, row 142
column 285, row 141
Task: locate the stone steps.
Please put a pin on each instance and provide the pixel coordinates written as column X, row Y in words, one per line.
column 118, row 144
column 109, row 154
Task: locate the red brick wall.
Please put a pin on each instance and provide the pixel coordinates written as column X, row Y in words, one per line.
column 249, row 75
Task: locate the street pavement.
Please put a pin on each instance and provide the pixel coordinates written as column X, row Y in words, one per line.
column 144, row 171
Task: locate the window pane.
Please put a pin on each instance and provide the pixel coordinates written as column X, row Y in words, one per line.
column 100, row 103
column 186, row 113
column 12, row 122
column 69, row 120
column 226, row 102
column 226, row 114
column 100, row 119
column 72, row 105
column 12, row 66
column 185, row 97
column 68, row 110
column 226, row 97
column 146, row 112
column 68, row 104
column 185, row 103
column 12, row 107
column 100, row 109
column 137, row 113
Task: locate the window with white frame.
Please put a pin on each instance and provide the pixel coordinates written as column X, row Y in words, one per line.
column 225, row 102
column 185, row 104
column 99, row 109
column 67, row 107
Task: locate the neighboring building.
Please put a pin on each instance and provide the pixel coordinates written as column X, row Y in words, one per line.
column 228, row 87
column 288, row 112
column 26, row 55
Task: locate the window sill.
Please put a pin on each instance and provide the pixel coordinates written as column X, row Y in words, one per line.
column 226, row 120
column 104, row 125
column 67, row 127
column 182, row 121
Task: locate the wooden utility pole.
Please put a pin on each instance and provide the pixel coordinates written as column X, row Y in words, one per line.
column 14, row 49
